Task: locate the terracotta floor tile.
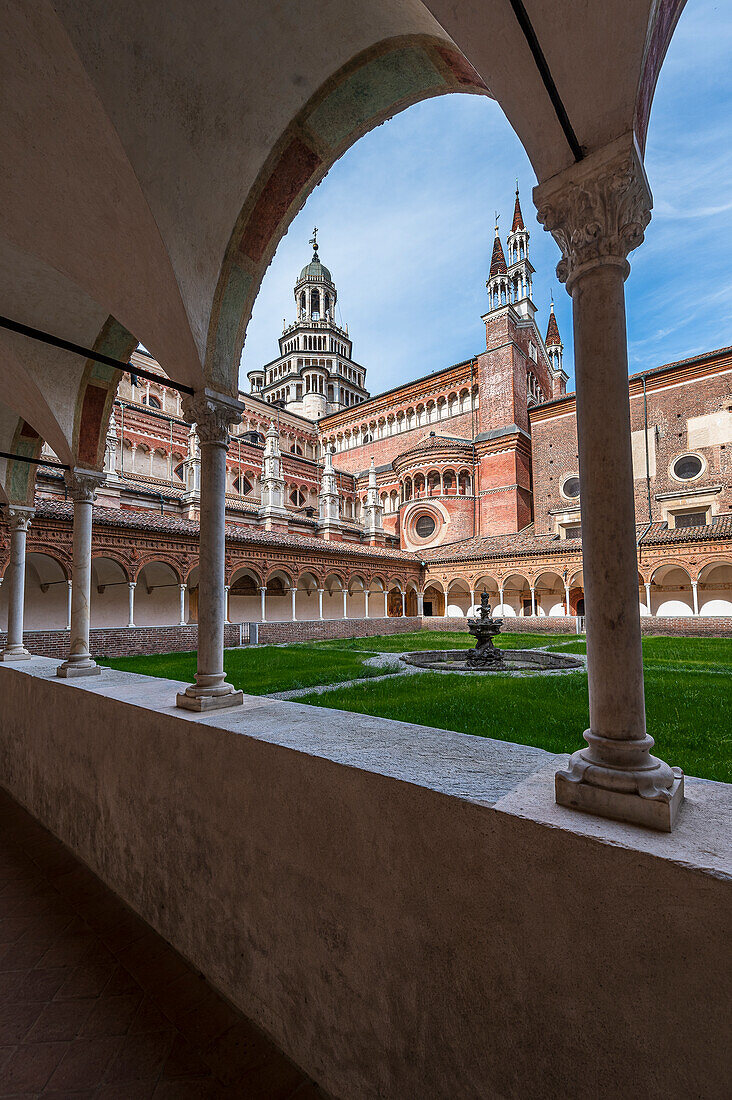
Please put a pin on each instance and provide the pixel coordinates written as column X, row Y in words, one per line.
column 29, row 1068
column 84, row 1064
column 112, row 1015
column 141, row 1056
column 59, row 1020
column 93, row 1003
column 16, row 1021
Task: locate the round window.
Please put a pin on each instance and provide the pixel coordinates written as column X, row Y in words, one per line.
column 571, row 487
column 425, row 526
column 687, row 467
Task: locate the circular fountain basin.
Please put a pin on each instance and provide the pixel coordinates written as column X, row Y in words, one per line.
column 512, row 660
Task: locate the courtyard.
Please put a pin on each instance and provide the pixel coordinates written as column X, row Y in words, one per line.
column 687, row 689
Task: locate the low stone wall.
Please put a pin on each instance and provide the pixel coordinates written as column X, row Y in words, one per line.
column 363, row 892
column 698, row 626
column 311, row 630
column 126, row 641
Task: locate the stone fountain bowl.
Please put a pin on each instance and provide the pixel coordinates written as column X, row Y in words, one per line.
column 512, row 660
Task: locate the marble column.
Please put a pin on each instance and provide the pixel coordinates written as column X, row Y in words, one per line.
column 20, row 521
column 182, row 618
column 69, row 590
column 212, row 413
column 647, row 586
column 695, row 596
column 404, row 604
column 132, row 585
column 82, row 485
column 262, row 602
column 320, row 603
column 500, row 597
column 597, row 210
column 345, row 603
column 293, row 595
column 366, row 603
column 420, row 603
column 533, row 600
column 566, row 599
column 226, row 604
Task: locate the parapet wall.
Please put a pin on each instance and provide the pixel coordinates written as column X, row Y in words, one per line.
column 127, row 641
column 684, row 626
column 365, row 893
column 312, row 630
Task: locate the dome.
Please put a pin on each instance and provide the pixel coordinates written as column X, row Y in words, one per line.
column 316, row 270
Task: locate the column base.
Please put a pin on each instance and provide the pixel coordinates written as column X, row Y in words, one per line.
column 67, row 671
column 18, row 653
column 208, row 702
column 653, row 813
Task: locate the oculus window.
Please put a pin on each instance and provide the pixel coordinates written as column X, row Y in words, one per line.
column 425, row 526
column 687, row 467
column 571, row 488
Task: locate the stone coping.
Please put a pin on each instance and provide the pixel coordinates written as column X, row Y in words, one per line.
column 508, row 778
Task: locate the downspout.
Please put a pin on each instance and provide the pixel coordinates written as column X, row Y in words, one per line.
column 648, row 464
column 472, row 432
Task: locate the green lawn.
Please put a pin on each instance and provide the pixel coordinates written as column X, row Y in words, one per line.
column 259, row 671
column 688, row 690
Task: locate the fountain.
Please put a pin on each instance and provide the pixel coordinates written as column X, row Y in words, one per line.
column 486, row 658
column 484, row 629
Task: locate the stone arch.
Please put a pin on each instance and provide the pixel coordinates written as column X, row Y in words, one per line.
column 109, row 590
column 458, row 598
column 671, row 594
column 46, row 591
column 516, row 595
column 714, row 588
column 157, row 593
column 550, row 594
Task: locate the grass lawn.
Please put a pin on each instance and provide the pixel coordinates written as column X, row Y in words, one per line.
column 688, row 690
column 258, row 671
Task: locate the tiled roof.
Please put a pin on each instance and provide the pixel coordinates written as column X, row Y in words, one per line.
column 518, row 218
column 552, row 331
column 526, row 543
column 151, row 521
column 498, row 260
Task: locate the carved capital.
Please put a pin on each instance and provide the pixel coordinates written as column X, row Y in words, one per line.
column 212, row 413
column 83, row 484
column 597, row 210
column 20, row 518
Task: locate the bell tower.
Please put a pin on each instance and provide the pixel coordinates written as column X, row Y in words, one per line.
column 520, row 269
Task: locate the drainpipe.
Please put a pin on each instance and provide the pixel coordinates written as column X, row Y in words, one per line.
column 472, row 432
column 648, row 464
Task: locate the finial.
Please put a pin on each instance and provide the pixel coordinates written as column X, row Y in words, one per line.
column 314, row 242
column 497, row 217
column 516, row 186
column 551, row 304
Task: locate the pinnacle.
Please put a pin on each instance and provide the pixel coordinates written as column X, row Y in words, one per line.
column 498, row 260
column 552, row 332
column 518, row 218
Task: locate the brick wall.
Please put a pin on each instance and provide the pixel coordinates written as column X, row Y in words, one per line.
column 124, row 641
column 358, row 459
column 684, row 626
column 315, row 630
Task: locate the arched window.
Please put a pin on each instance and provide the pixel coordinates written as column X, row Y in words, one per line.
column 295, row 449
column 315, row 305
column 152, row 401
column 242, row 485
column 297, row 498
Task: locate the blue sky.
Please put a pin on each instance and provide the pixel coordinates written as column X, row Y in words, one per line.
column 405, row 223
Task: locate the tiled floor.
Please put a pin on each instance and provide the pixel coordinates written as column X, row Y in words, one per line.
column 93, row 1003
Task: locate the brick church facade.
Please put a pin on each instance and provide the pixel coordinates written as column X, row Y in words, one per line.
column 345, row 506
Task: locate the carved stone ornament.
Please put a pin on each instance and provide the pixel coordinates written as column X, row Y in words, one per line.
column 20, row 518
column 597, row 210
column 83, row 484
column 212, row 414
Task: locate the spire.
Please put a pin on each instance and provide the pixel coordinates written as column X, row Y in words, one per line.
column 518, row 218
column 552, row 333
column 314, row 242
column 498, row 260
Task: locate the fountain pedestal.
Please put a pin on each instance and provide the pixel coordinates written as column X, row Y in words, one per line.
column 484, row 630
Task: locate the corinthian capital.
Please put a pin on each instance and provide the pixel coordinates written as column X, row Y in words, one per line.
column 597, row 210
column 83, row 484
column 19, row 517
column 212, row 413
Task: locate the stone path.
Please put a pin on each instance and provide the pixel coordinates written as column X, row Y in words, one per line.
column 94, row 1004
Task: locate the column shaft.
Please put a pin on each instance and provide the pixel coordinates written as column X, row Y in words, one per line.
column 182, row 619
column 131, row 603
column 69, row 585
column 211, row 414
column 262, row 603
column 79, row 662
column 345, row 599
column 15, row 580
column 320, row 603
column 695, row 597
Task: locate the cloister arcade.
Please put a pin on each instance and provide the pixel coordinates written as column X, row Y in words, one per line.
column 430, row 410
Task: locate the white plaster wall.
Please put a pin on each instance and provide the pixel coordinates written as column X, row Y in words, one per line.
column 160, row 608
column 356, row 605
column 306, row 605
column 673, row 607
column 245, row 609
column 715, row 603
column 43, row 610
column 109, row 608
column 278, row 607
column 333, row 605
